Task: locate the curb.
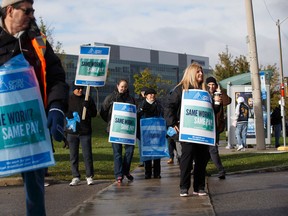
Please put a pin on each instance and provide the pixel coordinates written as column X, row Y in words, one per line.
column 17, row 181
column 260, row 170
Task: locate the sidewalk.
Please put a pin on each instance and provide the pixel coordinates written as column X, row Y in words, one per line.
column 150, row 197
column 146, row 197
column 154, row 196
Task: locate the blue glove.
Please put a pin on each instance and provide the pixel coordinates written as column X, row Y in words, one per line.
column 171, row 132
column 55, row 123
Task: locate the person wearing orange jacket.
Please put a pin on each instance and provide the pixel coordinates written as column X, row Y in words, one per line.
column 19, row 34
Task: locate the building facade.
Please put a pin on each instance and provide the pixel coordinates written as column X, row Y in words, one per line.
column 126, row 61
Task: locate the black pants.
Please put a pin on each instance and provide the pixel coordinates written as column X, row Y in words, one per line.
column 214, row 155
column 198, row 153
column 156, row 167
column 171, row 147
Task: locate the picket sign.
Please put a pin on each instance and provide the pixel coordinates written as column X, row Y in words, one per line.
column 197, row 118
column 123, row 126
column 153, row 144
column 25, row 142
column 92, row 68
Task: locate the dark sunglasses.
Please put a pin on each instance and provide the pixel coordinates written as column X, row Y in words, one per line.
column 27, row 11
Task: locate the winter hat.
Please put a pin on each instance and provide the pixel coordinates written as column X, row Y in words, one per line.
column 76, row 87
column 150, row 91
column 211, row 79
column 143, row 89
column 240, row 100
column 5, row 3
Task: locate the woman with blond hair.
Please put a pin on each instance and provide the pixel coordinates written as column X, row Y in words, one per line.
column 193, row 78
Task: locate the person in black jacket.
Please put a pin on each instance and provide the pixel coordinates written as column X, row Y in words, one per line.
column 121, row 165
column 18, row 31
column 150, row 107
column 80, row 132
column 193, row 78
column 223, row 100
column 276, row 122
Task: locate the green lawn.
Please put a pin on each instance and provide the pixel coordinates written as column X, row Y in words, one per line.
column 103, row 158
column 102, row 155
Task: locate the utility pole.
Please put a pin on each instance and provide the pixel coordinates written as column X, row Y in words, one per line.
column 255, row 79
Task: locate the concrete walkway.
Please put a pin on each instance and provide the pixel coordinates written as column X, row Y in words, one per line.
column 146, row 197
column 152, row 197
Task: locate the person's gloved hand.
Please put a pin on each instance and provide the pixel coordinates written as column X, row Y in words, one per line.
column 85, row 104
column 55, row 123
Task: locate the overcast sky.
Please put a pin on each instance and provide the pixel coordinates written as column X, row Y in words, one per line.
column 197, row 27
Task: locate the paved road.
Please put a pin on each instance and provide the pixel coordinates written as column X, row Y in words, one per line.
column 242, row 194
column 253, row 194
column 60, row 198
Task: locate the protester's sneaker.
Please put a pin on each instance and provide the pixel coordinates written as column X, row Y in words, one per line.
column 200, row 193
column 46, row 184
column 74, row 182
column 229, row 147
column 240, row 147
column 183, row 193
column 89, row 180
column 130, row 177
column 119, row 180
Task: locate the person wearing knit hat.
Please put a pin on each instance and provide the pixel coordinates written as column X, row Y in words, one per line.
column 211, row 80
column 150, row 91
column 74, row 86
column 220, row 101
column 21, row 39
column 80, row 134
column 150, row 107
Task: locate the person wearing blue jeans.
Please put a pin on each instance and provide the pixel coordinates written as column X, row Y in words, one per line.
column 241, row 133
column 122, row 164
column 35, row 202
column 276, row 122
column 20, row 35
column 241, row 116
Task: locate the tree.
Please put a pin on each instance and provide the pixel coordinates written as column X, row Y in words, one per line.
column 48, row 31
column 147, row 79
column 228, row 67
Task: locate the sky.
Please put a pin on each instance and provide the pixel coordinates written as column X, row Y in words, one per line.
column 196, row 27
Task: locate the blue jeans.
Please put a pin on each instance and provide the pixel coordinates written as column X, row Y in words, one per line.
column 86, row 144
column 122, row 165
column 241, row 133
column 35, row 192
column 277, row 132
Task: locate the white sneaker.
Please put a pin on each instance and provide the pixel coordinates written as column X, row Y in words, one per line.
column 229, row 147
column 74, row 182
column 89, row 180
column 240, row 147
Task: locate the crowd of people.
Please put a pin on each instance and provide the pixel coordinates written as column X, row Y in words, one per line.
column 18, row 32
